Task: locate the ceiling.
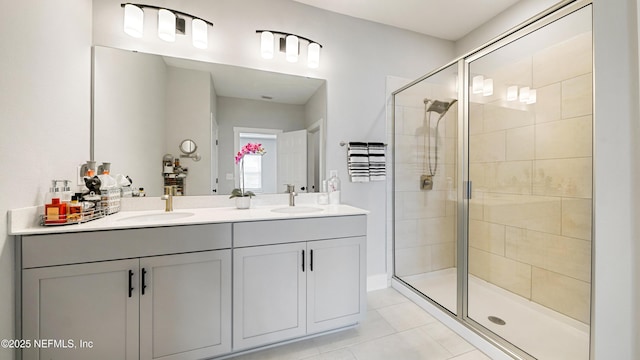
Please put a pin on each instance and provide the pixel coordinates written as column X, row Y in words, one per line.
column 445, row 19
column 245, row 83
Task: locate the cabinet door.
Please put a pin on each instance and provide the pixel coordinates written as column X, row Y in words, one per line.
column 336, row 283
column 184, row 305
column 269, row 294
column 83, row 303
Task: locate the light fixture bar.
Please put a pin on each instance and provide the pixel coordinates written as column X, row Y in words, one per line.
column 287, row 34
column 144, row 6
column 290, row 45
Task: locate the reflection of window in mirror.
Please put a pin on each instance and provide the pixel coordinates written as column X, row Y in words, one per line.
column 252, row 173
column 260, row 172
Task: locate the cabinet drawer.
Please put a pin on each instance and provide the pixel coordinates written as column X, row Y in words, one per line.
column 70, row 248
column 293, row 230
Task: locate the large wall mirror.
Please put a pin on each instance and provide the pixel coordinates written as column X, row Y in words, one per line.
column 146, row 105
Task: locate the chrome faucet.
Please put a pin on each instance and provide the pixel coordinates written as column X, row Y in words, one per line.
column 169, row 192
column 292, row 194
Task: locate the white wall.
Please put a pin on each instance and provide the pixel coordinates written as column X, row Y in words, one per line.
column 316, row 108
column 188, row 117
column 44, row 121
column 130, row 121
column 617, row 201
column 511, row 17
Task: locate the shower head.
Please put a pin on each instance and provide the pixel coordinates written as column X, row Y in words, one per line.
column 438, row 106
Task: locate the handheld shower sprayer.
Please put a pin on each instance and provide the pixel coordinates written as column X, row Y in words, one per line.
column 440, row 107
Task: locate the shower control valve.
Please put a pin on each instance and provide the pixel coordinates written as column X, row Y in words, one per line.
column 426, row 182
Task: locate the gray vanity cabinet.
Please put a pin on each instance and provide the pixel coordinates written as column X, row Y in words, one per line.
column 336, row 283
column 285, row 288
column 269, row 294
column 184, row 307
column 170, row 307
column 189, row 292
column 83, row 302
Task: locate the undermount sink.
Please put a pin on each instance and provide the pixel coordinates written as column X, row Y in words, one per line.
column 297, row 209
column 165, row 216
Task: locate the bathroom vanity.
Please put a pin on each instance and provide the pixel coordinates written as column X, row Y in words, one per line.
column 217, row 281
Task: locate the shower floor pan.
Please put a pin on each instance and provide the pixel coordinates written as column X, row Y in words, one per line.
column 538, row 330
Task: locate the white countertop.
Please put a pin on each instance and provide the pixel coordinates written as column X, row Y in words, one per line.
column 23, row 221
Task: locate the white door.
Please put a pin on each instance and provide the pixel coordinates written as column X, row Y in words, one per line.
column 292, row 160
column 336, row 283
column 269, row 294
column 91, row 303
column 184, row 306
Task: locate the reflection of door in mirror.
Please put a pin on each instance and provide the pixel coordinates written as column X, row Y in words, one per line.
column 292, row 159
column 214, row 154
column 315, row 157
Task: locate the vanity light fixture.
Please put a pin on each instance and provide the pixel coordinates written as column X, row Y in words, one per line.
column 292, row 48
column 290, row 45
column 166, row 25
column 266, row 44
column 170, row 23
column 133, row 20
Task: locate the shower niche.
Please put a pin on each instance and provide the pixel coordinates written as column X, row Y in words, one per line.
column 492, row 210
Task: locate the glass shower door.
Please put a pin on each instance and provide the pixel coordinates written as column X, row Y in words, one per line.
column 425, row 191
column 530, row 166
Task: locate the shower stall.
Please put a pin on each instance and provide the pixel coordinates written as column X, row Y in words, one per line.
column 492, row 187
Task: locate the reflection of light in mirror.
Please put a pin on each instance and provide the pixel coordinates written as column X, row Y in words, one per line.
column 487, row 87
column 524, row 94
column 512, row 93
column 533, row 96
column 478, row 84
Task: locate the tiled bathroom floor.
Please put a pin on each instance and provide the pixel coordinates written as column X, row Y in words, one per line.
column 395, row 328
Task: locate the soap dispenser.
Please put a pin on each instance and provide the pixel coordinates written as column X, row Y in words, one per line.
column 66, row 194
column 53, row 192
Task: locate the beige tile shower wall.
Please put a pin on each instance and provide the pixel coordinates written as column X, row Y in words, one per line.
column 424, row 220
column 530, row 227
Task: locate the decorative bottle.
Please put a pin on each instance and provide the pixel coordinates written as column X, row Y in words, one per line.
column 55, row 212
column 333, row 185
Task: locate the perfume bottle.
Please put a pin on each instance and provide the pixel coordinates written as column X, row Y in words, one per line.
column 75, row 210
column 55, row 212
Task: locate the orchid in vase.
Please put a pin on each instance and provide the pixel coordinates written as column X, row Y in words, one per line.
column 253, row 149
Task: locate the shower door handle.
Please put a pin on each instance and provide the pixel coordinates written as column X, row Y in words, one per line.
column 468, row 189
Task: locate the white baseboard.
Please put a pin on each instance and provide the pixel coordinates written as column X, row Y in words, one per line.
column 378, row 282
